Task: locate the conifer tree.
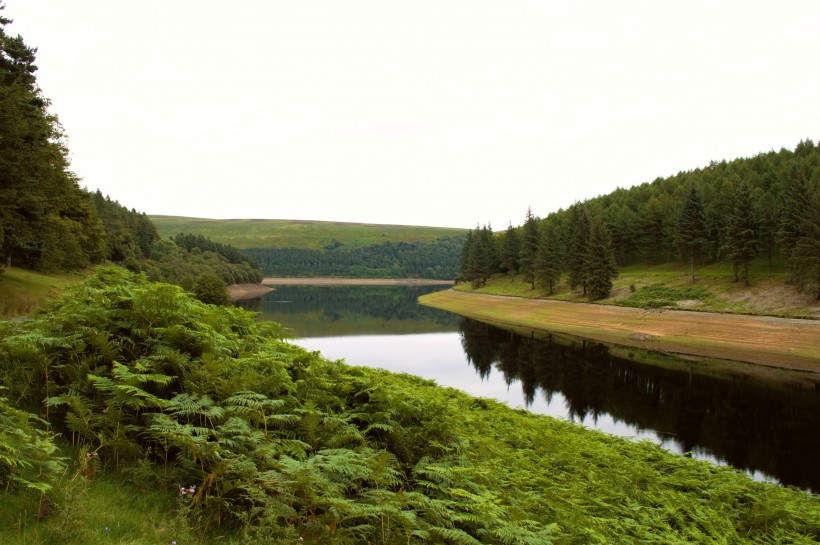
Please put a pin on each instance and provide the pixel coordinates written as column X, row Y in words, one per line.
column 793, row 214
column 806, row 252
column 742, row 244
column 690, row 232
column 529, row 248
column 577, row 245
column 599, row 260
column 510, row 251
column 548, row 259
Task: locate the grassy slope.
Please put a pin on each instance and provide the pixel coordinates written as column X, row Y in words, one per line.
column 770, row 294
column 23, row 292
column 265, row 233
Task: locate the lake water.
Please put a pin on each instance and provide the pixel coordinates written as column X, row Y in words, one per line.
column 771, row 430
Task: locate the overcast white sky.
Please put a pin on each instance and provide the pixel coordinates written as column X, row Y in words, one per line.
column 422, row 112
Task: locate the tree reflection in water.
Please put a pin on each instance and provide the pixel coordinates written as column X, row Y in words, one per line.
column 748, row 423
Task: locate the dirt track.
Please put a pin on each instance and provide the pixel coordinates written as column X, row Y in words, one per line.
column 777, row 342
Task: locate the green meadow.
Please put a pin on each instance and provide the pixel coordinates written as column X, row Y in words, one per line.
column 272, row 233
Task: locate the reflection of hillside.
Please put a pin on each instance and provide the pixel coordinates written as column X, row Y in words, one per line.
column 322, row 311
column 749, row 424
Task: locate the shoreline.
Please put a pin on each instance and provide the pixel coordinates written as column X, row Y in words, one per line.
column 334, row 281
column 238, row 292
column 787, row 343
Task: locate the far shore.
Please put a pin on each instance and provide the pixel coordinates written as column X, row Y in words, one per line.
column 332, row 281
column 239, row 292
column 786, row 343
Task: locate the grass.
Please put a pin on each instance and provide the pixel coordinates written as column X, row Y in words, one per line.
column 670, row 286
column 267, row 233
column 23, row 292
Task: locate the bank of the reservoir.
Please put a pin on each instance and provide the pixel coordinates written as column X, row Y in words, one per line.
column 778, row 342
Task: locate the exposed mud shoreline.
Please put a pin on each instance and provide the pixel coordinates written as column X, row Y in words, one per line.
column 777, row 342
column 329, row 281
column 238, row 292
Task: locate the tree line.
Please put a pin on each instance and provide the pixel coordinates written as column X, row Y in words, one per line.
column 50, row 224
column 437, row 259
column 766, row 206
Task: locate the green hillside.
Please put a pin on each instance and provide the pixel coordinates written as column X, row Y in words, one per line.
column 266, row 233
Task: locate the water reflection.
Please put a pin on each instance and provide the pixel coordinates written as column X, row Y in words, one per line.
column 766, row 428
column 321, row 311
column 759, row 427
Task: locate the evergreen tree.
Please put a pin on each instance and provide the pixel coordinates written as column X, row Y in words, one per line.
column 466, row 251
column 510, row 251
column 481, row 256
column 487, row 254
column 742, row 244
column 548, row 259
column 529, row 248
column 793, row 213
column 806, row 252
column 46, row 219
column 599, row 260
column 690, row 232
column 577, row 246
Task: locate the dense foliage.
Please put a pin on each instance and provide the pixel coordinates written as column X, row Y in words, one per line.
column 270, row 442
column 437, row 259
column 47, row 222
column 762, row 206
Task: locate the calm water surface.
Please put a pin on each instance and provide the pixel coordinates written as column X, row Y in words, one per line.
column 770, row 430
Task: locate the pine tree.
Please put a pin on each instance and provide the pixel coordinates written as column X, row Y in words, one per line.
column 742, row 244
column 529, row 248
column 806, row 252
column 793, row 214
column 548, row 259
column 510, row 251
column 690, row 232
column 599, row 261
column 577, row 245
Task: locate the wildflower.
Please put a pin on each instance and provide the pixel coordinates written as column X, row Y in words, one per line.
column 182, row 490
column 105, row 529
column 192, row 490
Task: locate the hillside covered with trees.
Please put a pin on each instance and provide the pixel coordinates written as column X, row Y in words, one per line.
column 763, row 207
column 305, row 248
column 48, row 223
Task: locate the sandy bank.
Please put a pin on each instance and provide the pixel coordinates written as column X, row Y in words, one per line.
column 329, row 281
column 237, row 292
column 776, row 342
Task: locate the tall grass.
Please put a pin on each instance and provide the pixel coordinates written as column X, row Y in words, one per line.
column 23, row 291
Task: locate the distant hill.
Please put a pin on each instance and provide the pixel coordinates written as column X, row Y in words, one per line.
column 317, row 235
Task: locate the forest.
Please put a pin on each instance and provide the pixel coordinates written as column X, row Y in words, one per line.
column 762, row 207
column 49, row 223
column 436, row 259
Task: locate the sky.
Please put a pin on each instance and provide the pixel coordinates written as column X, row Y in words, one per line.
column 446, row 113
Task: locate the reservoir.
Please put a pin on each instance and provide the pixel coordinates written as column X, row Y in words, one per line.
column 768, row 428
